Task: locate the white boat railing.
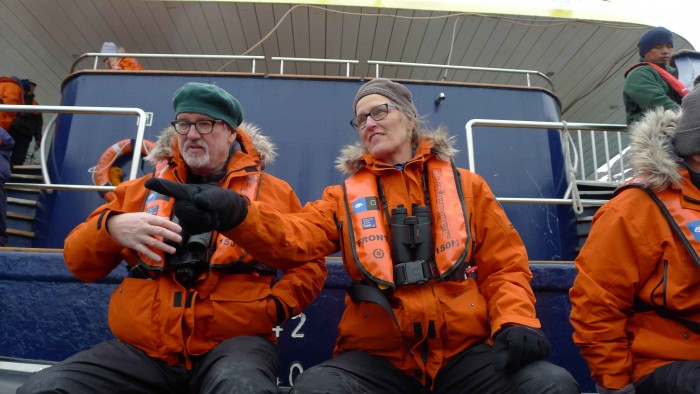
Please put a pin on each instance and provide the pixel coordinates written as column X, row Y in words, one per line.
column 47, row 185
column 100, row 55
column 314, row 60
column 614, row 166
column 527, row 73
column 282, row 60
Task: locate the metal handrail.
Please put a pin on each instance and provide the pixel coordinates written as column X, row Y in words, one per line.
column 527, row 73
column 536, row 125
column 99, row 55
column 141, row 127
column 314, row 60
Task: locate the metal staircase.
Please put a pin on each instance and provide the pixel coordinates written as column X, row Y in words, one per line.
column 592, row 191
column 21, row 205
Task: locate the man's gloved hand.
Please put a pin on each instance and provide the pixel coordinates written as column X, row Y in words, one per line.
column 201, row 207
column 628, row 389
column 516, row 346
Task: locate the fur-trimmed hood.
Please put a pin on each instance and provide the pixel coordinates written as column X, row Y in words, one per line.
column 250, row 137
column 353, row 157
column 653, row 157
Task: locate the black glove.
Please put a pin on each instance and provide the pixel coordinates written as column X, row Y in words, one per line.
column 517, row 346
column 201, row 207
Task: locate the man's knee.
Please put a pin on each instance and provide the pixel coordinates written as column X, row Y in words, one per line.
column 246, row 379
column 542, row 377
column 49, row 380
column 317, row 380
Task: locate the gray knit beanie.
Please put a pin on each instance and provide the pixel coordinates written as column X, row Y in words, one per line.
column 394, row 91
column 687, row 139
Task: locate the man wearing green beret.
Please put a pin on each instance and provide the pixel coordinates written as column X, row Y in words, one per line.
column 196, row 312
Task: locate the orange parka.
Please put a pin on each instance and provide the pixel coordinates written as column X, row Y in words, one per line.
column 11, row 93
column 127, row 63
column 172, row 323
column 632, row 252
column 452, row 315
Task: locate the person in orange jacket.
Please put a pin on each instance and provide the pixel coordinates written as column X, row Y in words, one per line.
column 27, row 125
column 196, row 311
column 10, row 94
column 412, row 229
column 119, row 63
column 636, row 298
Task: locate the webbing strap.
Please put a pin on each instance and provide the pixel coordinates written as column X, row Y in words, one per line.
column 360, row 292
column 641, row 306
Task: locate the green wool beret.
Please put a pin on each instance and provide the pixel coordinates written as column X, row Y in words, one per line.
column 208, row 99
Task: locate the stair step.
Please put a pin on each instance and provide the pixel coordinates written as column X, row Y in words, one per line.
column 20, row 216
column 28, row 167
column 21, row 233
column 21, row 201
column 27, row 177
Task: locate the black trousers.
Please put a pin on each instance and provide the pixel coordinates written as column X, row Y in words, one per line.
column 22, row 142
column 679, row 377
column 237, row 365
column 469, row 372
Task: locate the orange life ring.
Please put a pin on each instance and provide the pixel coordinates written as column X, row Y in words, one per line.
column 105, row 173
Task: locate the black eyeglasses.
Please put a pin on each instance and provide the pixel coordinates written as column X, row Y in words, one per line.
column 203, row 126
column 377, row 113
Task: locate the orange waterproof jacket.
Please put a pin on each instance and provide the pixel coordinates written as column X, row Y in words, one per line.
column 128, row 63
column 11, row 93
column 172, row 323
column 632, row 252
column 451, row 316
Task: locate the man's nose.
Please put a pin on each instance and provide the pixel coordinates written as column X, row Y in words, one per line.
column 193, row 133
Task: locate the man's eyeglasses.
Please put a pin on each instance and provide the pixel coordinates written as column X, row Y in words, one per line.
column 203, row 126
column 377, row 113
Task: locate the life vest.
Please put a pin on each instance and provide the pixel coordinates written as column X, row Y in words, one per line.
column 369, row 245
column 227, row 254
column 672, row 81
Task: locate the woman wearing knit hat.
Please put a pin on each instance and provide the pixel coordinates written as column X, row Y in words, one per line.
column 119, row 62
column 413, row 229
column 636, row 299
column 652, row 82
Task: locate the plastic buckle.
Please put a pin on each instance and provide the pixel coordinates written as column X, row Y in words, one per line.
column 411, row 272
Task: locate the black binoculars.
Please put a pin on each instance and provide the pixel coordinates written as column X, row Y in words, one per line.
column 191, row 258
column 412, row 238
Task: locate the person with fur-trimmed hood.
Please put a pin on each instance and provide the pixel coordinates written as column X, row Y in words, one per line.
column 412, row 228
column 196, row 312
column 636, row 298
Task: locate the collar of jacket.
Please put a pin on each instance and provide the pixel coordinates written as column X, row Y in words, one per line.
column 652, row 155
column 436, row 142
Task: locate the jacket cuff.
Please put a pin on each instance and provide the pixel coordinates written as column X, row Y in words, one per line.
column 281, row 315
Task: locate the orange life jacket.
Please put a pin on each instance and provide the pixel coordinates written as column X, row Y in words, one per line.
column 227, row 253
column 369, row 245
